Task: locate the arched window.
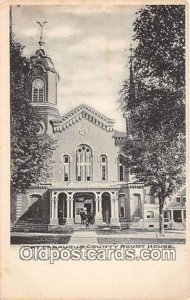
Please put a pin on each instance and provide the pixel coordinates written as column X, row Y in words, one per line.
column 38, row 90
column 120, row 168
column 84, row 163
column 66, row 167
column 104, row 167
column 150, row 214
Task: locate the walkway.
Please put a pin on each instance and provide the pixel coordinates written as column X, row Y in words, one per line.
column 84, row 237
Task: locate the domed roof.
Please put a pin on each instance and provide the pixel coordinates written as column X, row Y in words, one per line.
column 41, row 58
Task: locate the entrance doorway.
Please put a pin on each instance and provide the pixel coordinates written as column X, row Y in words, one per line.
column 84, row 202
column 106, row 208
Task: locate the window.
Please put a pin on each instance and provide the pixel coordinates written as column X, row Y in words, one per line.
column 122, row 206
column 38, row 90
column 104, row 167
column 121, row 168
column 152, row 199
column 150, row 214
column 177, row 216
column 84, row 163
column 137, row 205
column 66, row 167
column 41, row 128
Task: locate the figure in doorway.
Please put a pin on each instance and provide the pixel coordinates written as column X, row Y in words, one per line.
column 87, row 220
column 82, row 216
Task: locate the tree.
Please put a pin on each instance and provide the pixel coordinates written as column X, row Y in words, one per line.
column 153, row 100
column 30, row 152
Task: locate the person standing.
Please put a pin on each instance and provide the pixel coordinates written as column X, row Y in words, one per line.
column 82, row 216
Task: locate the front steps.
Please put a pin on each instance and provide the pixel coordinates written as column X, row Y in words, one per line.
column 29, row 227
column 125, row 225
column 79, row 227
column 23, row 226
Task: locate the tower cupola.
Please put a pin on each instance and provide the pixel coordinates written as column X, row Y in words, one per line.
column 44, row 78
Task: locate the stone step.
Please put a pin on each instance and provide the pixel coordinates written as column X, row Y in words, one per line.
column 24, row 227
column 79, row 227
column 125, row 227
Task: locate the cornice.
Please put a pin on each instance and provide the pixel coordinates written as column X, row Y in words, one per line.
column 83, row 112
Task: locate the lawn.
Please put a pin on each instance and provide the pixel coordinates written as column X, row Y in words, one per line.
column 122, row 240
column 41, row 239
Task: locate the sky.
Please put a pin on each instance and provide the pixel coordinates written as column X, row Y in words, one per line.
column 89, row 46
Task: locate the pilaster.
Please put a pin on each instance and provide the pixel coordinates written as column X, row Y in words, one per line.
column 98, row 217
column 114, row 211
column 54, row 212
column 70, row 218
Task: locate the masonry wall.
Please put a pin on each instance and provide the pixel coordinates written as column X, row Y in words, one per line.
column 100, row 141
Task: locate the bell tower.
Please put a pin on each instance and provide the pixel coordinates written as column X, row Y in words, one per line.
column 44, row 80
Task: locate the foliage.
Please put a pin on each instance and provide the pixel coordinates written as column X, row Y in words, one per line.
column 30, row 151
column 153, row 100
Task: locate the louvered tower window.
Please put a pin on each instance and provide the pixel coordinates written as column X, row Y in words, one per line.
column 38, row 90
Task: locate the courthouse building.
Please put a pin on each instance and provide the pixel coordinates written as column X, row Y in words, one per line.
column 88, row 169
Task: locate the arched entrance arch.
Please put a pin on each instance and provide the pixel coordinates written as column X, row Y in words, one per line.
column 62, row 208
column 84, row 201
column 106, row 207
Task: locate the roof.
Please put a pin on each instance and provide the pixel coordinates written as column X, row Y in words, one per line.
column 87, row 185
column 41, row 58
column 84, row 107
column 183, row 192
column 120, row 134
column 175, row 204
column 120, row 137
column 86, row 112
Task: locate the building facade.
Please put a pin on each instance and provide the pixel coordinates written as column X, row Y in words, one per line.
column 88, row 168
column 175, row 211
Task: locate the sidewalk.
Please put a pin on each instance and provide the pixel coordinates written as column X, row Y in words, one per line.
column 91, row 236
column 144, row 235
column 84, row 237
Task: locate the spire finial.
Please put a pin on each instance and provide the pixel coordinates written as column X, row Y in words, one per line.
column 41, row 41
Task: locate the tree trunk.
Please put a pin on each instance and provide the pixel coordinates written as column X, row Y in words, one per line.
column 161, row 216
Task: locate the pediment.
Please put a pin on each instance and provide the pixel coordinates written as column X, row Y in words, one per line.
column 83, row 112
